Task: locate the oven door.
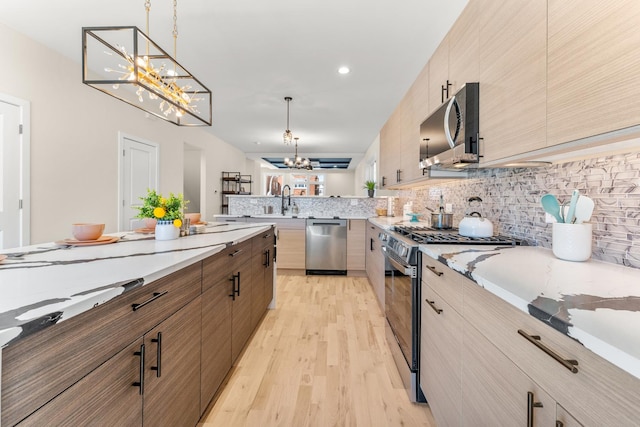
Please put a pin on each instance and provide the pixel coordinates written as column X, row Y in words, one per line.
column 400, row 301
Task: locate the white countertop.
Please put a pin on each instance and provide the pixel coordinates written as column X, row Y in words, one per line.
column 47, row 280
column 594, row 302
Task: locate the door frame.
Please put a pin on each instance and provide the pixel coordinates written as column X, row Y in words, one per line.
column 121, row 137
column 25, row 164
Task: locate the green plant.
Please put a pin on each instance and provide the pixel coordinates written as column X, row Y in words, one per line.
column 369, row 185
column 161, row 208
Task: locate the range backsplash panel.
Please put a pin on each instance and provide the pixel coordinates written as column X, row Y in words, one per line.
column 511, row 200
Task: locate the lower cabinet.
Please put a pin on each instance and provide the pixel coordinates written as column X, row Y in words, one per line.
column 216, row 341
column 484, row 362
column 374, row 261
column 156, row 378
column 356, row 245
column 240, row 294
column 441, row 363
column 495, row 392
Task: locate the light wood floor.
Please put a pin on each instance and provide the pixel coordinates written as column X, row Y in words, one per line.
column 319, row 359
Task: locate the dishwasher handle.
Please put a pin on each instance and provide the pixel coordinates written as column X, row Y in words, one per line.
column 338, row 222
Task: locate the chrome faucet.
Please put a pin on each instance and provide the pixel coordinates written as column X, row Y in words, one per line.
column 284, row 208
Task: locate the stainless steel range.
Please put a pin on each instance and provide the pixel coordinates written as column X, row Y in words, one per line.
column 402, row 292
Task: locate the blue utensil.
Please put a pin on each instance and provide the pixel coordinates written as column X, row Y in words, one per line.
column 572, row 207
column 551, row 206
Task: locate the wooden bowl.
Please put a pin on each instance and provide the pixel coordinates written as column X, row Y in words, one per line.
column 381, row 212
column 83, row 231
column 193, row 217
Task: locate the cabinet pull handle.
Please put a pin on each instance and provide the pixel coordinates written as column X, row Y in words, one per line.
column 233, row 287
column 434, row 271
column 266, row 261
column 236, row 252
column 570, row 364
column 531, row 405
column 155, row 296
column 432, row 304
column 141, row 382
column 266, row 236
column 158, row 368
column 371, row 244
column 384, row 181
column 268, row 258
column 238, row 289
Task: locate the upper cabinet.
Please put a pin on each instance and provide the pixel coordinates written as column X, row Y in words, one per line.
column 593, row 61
column 512, row 55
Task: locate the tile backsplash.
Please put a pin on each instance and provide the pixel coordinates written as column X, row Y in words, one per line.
column 511, row 200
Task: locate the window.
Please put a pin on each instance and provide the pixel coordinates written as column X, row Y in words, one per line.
column 307, row 185
column 273, row 185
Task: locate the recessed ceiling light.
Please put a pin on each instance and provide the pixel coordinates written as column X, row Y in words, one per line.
column 257, row 142
column 344, row 70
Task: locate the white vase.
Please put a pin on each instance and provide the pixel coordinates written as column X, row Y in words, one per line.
column 165, row 230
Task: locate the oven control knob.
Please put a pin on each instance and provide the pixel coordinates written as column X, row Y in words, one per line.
column 383, row 237
column 403, row 250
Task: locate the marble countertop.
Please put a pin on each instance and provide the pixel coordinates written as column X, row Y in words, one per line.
column 594, row 302
column 288, row 216
column 41, row 281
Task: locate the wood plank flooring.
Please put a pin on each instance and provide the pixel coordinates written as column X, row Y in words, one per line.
column 319, row 359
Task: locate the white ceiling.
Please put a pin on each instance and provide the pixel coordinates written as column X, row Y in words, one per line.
column 253, row 53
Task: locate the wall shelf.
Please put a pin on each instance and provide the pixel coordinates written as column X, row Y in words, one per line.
column 234, row 183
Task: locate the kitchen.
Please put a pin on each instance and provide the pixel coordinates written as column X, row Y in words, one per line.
column 510, row 196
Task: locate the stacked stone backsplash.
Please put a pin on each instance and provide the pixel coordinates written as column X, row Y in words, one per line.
column 511, row 200
column 320, row 207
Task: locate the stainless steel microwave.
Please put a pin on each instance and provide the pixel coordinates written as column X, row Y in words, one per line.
column 449, row 136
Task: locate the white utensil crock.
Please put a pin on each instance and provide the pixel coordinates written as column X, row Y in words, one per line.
column 572, row 242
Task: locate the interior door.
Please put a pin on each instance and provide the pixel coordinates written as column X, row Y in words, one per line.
column 138, row 172
column 10, row 176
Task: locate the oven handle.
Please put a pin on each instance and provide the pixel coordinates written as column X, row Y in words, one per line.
column 407, row 270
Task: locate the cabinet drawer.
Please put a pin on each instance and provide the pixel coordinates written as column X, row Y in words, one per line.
column 599, row 393
column 446, row 282
column 262, row 242
column 218, row 267
column 37, row 368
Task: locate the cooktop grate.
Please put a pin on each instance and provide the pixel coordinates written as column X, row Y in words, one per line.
column 426, row 235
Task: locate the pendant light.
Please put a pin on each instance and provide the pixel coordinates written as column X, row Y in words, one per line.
column 298, row 162
column 287, row 136
column 125, row 63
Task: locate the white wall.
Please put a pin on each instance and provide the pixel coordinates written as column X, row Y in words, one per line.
column 74, row 141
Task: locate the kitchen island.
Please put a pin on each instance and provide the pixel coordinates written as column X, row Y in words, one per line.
column 75, row 322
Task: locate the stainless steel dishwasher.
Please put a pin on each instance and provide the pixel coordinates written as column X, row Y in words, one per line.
column 326, row 246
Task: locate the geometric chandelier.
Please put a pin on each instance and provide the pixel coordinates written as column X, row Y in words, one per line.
column 125, row 63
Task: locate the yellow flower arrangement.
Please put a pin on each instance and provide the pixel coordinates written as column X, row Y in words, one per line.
column 161, row 208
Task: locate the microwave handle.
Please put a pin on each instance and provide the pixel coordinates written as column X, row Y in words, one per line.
column 447, row 131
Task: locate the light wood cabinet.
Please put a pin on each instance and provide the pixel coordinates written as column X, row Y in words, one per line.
column 495, row 392
column 593, row 81
column 441, row 357
column 374, row 261
column 607, row 394
column 390, row 143
column 513, row 77
column 439, row 76
column 291, row 248
column 356, row 245
column 507, row 357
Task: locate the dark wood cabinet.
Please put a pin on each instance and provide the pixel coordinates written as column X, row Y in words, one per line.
column 262, row 268
column 216, row 340
column 240, row 294
column 172, row 370
column 114, row 399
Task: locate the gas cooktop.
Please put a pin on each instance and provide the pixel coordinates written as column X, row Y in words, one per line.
column 425, row 235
